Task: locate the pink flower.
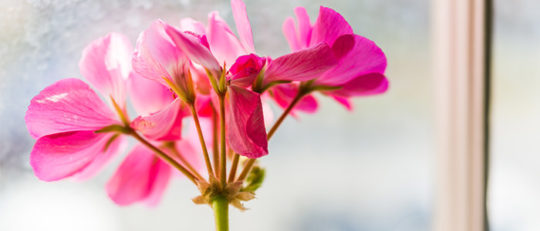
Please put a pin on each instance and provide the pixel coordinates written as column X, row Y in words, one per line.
column 65, row 116
column 361, row 63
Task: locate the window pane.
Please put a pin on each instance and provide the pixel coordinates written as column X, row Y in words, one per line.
column 369, row 169
column 514, row 188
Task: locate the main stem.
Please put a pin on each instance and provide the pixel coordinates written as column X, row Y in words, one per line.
column 221, row 213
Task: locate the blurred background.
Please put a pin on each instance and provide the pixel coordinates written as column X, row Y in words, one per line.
column 372, row 169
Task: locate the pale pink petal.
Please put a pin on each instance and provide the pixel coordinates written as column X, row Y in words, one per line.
column 289, row 30
column 246, row 69
column 363, row 58
column 343, row 101
column 116, row 146
column 61, row 155
column 285, row 93
column 329, row 26
column 242, row 25
column 223, row 43
column 106, row 64
column 142, row 176
column 364, row 85
column 148, row 96
column 162, row 125
column 156, row 56
column 194, row 48
column 192, row 25
column 267, row 113
column 304, row 26
column 67, row 105
column 302, row 65
column 246, row 132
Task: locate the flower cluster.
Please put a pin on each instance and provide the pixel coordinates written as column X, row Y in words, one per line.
column 200, row 94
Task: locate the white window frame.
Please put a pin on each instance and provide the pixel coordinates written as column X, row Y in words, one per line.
column 461, row 41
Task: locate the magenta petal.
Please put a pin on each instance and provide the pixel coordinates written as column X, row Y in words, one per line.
column 329, row 26
column 245, row 69
column 223, row 43
column 148, row 96
column 142, row 176
column 370, row 84
column 343, row 101
column 246, row 133
column 302, row 65
column 363, row 58
column 106, row 64
column 61, row 155
column 194, row 48
column 156, row 56
column 242, row 25
column 162, row 125
column 285, row 93
column 67, row 105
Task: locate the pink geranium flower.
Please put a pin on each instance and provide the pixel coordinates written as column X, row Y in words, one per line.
column 361, row 65
column 65, row 116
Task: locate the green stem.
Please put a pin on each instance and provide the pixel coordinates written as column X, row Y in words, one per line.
column 221, row 213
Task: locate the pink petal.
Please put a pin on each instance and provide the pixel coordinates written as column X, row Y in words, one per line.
column 156, row 56
column 61, row 155
column 100, row 160
column 245, row 69
column 192, row 25
column 242, row 25
column 285, row 93
column 329, row 26
column 363, row 58
column 142, row 176
column 289, row 30
column 204, row 105
column 364, row 85
column 148, row 96
column 246, row 133
column 223, row 43
column 304, row 26
column 67, row 105
column 194, row 48
column 302, row 65
column 106, row 64
column 162, row 125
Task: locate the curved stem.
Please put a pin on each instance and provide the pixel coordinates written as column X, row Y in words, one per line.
column 272, row 130
column 201, row 139
column 221, row 213
column 223, row 157
column 164, row 156
column 285, row 114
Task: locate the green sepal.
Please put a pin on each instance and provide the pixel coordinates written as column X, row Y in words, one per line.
column 109, row 142
column 255, row 179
